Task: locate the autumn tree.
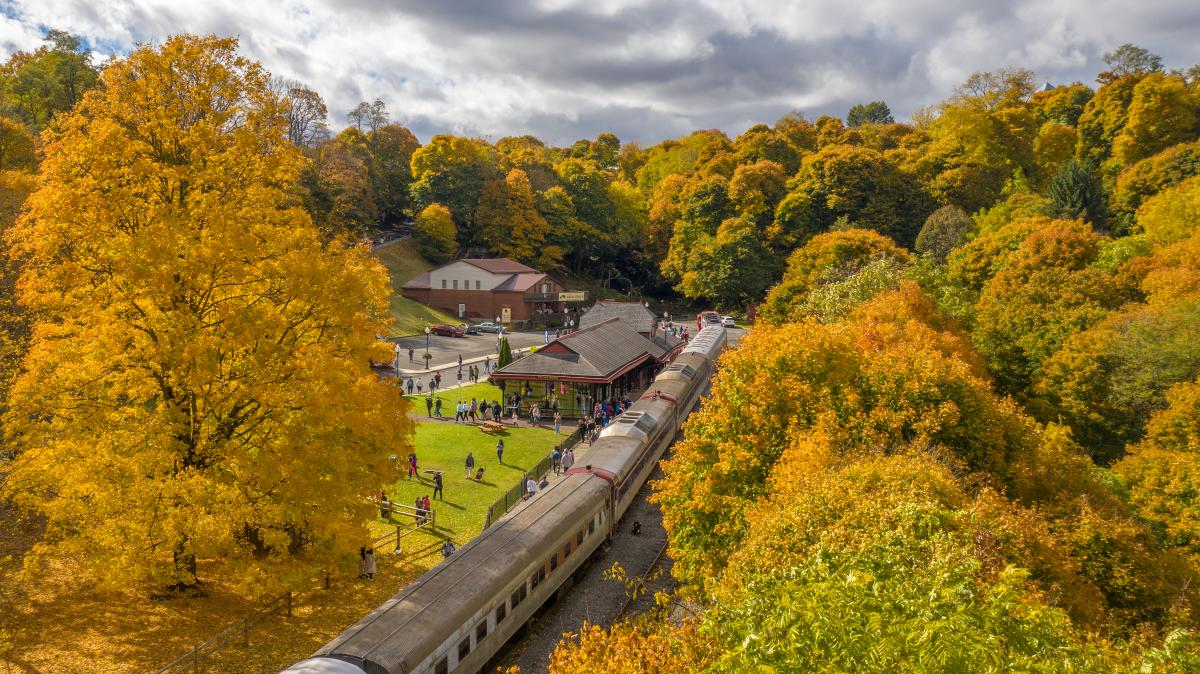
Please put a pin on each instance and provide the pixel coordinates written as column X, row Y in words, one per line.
column 198, row 378
column 17, row 177
column 861, row 185
column 337, row 186
column 829, row 256
column 1046, row 291
column 1129, row 60
column 392, row 147
column 307, row 114
column 452, row 171
column 437, row 238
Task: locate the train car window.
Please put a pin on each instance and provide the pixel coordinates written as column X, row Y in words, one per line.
column 567, row 550
column 534, row 580
column 592, row 526
column 579, row 538
column 481, row 631
column 553, row 563
column 464, row 649
column 516, row 597
column 442, row 667
column 501, row 613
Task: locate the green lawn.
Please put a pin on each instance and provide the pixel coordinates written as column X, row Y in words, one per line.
column 451, row 396
column 443, row 445
column 403, row 263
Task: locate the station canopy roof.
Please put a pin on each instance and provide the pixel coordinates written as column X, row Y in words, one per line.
column 599, row 353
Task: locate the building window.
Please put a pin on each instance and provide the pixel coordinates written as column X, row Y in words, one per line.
column 477, row 285
column 545, row 288
column 443, row 284
column 456, row 284
column 466, row 284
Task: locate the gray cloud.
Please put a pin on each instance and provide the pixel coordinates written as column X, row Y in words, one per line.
column 643, row 69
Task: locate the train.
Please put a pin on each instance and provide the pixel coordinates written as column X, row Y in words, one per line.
column 456, row 616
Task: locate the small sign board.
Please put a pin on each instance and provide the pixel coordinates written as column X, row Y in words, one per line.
column 573, row 296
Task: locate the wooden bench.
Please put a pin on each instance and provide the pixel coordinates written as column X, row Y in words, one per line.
column 491, row 427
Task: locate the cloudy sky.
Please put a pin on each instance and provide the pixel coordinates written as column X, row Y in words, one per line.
column 643, row 69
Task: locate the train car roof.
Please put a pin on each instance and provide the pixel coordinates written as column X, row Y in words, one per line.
column 446, row 597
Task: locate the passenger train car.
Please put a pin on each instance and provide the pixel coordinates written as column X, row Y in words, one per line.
column 456, row 616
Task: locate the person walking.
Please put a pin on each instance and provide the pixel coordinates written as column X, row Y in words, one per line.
column 556, row 457
column 410, row 354
column 487, row 364
column 429, row 405
column 530, row 486
column 409, row 385
column 437, row 408
column 557, row 423
column 412, row 465
column 437, row 486
column 437, row 378
column 472, row 409
column 369, row 564
column 385, row 508
column 500, row 451
column 460, row 361
column 470, row 464
column 426, row 506
column 448, row 548
column 362, row 561
column 568, row 459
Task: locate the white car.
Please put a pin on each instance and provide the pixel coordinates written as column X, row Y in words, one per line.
column 728, row 322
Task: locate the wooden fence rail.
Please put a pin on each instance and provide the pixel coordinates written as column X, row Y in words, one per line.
column 194, row 659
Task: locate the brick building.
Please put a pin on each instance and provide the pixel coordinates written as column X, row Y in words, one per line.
column 484, row 289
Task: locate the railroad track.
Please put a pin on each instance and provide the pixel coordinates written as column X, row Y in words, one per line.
column 641, row 583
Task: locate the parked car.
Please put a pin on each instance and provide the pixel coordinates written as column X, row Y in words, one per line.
column 447, row 330
column 469, row 329
column 707, row 318
column 728, row 322
column 488, row 326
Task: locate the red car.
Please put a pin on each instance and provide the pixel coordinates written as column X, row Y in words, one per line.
column 447, row 330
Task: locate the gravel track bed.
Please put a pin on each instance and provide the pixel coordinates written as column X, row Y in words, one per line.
column 594, row 598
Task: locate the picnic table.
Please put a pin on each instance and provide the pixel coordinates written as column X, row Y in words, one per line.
column 491, row 427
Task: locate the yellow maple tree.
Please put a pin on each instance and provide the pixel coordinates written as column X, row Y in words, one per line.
column 198, row 382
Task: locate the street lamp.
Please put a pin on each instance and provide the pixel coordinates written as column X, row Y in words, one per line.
column 499, row 335
column 427, row 331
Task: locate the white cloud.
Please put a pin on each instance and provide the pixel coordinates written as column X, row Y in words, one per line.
column 646, row 69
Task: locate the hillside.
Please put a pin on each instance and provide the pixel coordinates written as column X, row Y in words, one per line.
column 403, row 262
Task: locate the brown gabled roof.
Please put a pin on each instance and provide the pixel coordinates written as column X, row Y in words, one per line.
column 499, row 265
column 597, row 352
column 520, row 282
column 421, row 282
column 634, row 314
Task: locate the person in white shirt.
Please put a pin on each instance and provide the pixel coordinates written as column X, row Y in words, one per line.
column 531, row 486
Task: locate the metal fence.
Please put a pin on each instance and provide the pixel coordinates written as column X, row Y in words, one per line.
column 238, row 632
column 516, row 493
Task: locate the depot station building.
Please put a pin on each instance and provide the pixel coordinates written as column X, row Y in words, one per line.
column 616, row 352
column 495, row 289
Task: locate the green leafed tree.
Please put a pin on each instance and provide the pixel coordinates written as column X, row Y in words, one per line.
column 1076, row 192
column 944, row 230
column 875, row 112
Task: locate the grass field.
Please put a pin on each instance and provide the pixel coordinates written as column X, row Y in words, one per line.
column 403, row 263
column 443, row 446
